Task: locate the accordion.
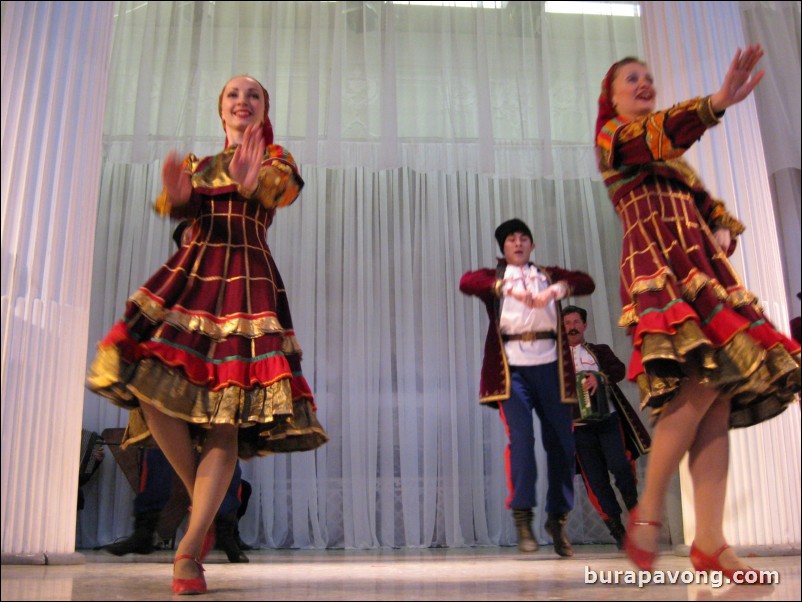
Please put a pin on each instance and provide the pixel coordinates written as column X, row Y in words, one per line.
column 592, row 407
column 90, row 443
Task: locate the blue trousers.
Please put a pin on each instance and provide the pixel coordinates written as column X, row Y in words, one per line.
column 538, row 388
column 599, row 449
column 156, row 485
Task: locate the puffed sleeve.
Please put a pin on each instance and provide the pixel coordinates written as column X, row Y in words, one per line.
column 280, row 181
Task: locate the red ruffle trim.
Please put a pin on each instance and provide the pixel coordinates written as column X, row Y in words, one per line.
column 769, row 338
column 721, row 329
column 119, row 337
column 216, row 376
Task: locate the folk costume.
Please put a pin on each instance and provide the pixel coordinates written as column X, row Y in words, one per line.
column 209, row 338
column 686, row 309
column 522, row 370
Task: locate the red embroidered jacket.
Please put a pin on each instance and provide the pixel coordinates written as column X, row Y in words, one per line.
column 494, row 385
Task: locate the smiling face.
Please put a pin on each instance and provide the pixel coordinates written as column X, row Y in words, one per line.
column 242, row 103
column 517, row 249
column 632, row 93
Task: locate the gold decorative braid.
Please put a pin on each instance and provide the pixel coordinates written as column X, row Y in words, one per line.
column 240, row 326
column 276, row 422
column 104, row 373
column 676, row 347
column 629, row 316
column 741, row 297
column 634, row 129
column 169, row 390
column 693, row 285
column 290, row 345
column 718, row 210
column 655, row 282
column 705, row 111
column 690, row 289
column 497, row 287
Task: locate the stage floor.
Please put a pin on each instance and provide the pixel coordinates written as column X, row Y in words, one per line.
column 486, row 573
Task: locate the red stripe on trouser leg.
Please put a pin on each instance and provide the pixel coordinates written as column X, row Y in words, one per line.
column 507, row 458
column 591, row 496
column 143, row 477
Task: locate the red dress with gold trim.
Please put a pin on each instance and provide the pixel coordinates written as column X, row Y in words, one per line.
column 209, row 337
column 683, row 304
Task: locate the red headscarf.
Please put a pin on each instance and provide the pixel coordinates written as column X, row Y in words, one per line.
column 606, row 108
column 267, row 127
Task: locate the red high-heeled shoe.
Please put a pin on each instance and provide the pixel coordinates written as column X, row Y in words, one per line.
column 706, row 563
column 643, row 559
column 184, row 587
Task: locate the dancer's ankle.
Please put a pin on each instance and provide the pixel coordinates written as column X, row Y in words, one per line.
column 186, row 568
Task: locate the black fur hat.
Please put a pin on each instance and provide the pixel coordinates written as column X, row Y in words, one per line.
column 511, row 226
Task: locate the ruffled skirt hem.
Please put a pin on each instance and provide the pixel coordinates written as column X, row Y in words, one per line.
column 761, row 380
column 275, row 417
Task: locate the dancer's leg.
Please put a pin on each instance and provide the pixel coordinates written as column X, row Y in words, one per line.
column 215, row 469
column 172, row 435
column 673, row 436
column 709, row 457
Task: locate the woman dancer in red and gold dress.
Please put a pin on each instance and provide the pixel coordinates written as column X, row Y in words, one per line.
column 206, row 356
column 705, row 357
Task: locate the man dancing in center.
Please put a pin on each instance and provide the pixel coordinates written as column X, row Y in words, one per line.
column 524, row 361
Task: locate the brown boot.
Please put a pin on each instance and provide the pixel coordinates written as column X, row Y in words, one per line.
column 523, row 525
column 555, row 526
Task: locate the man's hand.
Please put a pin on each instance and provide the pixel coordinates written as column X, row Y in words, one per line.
column 590, row 383
column 541, row 299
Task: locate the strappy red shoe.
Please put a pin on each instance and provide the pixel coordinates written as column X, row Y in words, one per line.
column 706, row 563
column 643, row 559
column 184, row 587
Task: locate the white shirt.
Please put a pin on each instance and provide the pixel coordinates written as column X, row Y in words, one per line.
column 517, row 318
column 583, row 360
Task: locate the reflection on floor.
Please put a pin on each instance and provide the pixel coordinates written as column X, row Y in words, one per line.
column 430, row 574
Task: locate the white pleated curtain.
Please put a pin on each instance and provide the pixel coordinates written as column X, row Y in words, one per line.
column 418, row 129
column 776, row 25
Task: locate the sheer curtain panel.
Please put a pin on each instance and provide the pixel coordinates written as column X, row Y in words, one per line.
column 54, row 70
column 418, row 129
